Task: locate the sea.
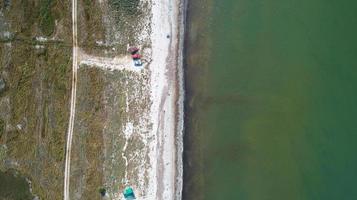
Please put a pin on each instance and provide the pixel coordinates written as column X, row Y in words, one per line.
column 271, row 100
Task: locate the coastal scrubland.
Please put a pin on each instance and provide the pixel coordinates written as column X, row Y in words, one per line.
column 35, row 66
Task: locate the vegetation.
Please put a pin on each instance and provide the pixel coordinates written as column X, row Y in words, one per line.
column 129, row 7
column 102, row 191
column 2, row 127
column 38, row 88
column 47, row 22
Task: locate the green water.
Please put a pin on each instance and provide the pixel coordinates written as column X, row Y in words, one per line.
column 271, row 111
column 14, row 187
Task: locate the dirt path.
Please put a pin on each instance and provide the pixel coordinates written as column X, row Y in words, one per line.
column 122, row 63
column 73, row 101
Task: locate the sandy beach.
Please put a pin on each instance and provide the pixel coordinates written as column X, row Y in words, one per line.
column 165, row 157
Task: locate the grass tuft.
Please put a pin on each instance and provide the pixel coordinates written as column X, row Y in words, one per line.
column 47, row 22
column 129, row 7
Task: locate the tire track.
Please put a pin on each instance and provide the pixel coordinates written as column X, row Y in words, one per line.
column 73, row 101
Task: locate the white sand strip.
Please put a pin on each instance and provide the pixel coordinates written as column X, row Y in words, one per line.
column 116, row 63
column 163, row 82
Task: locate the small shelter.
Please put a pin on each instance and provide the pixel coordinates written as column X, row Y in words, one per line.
column 128, row 193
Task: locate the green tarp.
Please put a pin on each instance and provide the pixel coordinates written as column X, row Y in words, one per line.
column 129, row 193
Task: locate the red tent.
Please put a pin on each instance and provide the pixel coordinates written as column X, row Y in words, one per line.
column 136, row 56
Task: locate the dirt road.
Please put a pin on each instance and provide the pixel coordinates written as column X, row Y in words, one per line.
column 73, row 101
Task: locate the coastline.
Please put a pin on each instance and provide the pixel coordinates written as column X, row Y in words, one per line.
column 165, row 180
column 180, row 99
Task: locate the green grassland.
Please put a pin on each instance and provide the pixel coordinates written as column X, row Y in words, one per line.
column 37, row 76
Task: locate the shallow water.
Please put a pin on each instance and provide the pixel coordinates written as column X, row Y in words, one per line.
column 271, row 100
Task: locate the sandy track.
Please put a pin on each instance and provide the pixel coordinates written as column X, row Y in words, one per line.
column 73, row 101
column 109, row 63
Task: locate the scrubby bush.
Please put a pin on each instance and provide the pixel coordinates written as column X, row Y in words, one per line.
column 129, row 7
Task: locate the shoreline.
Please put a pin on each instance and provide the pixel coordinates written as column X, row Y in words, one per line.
column 165, row 179
column 180, row 87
